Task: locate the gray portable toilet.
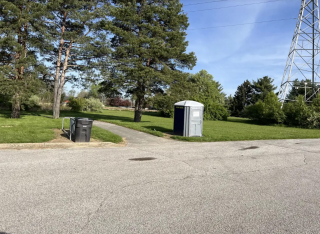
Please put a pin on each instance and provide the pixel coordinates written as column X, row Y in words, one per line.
column 188, row 119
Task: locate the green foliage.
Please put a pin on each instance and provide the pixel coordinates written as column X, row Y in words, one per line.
column 215, row 111
column 33, row 103
column 302, row 88
column 21, row 36
column 76, row 104
column 267, row 111
column 165, row 104
column 262, row 87
column 297, row 112
column 200, row 87
column 109, row 89
column 242, row 98
column 149, row 45
column 93, row 104
column 316, row 103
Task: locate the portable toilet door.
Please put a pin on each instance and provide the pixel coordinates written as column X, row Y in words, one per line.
column 196, row 121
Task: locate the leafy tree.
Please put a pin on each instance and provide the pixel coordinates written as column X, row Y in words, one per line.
column 262, row 87
column 242, row 98
column 200, row 87
column 83, row 94
column 94, row 91
column 76, row 42
column 21, row 33
column 206, row 88
column 72, row 93
column 149, row 45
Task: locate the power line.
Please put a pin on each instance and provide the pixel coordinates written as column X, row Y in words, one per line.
column 233, row 25
column 200, row 3
column 217, row 8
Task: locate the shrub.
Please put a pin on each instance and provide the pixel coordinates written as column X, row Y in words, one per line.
column 165, row 104
column 76, row 104
column 33, row 103
column 316, row 103
column 125, row 103
column 267, row 111
column 314, row 120
column 215, row 111
column 93, row 104
column 115, row 101
column 297, row 112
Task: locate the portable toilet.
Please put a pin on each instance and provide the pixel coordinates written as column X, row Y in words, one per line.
column 188, row 119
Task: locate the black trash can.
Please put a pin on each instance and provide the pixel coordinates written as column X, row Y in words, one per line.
column 82, row 131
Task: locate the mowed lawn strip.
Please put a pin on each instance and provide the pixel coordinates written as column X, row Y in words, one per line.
column 36, row 128
column 235, row 129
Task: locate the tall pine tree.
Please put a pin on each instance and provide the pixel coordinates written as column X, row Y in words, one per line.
column 77, row 43
column 242, row 98
column 149, row 45
column 262, row 87
column 21, row 36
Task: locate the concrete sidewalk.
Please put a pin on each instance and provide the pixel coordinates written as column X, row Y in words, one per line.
column 132, row 137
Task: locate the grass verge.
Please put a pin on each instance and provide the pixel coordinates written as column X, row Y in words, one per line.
column 36, row 128
column 235, row 129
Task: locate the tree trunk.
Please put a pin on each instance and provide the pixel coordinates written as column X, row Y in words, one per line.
column 15, row 114
column 56, row 106
column 57, row 81
column 138, row 109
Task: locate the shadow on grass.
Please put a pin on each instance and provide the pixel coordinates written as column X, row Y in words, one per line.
column 7, row 114
column 243, row 121
column 159, row 129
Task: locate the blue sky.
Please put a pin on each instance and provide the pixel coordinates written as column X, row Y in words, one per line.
column 234, row 54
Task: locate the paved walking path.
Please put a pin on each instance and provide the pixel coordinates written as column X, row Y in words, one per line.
column 132, row 137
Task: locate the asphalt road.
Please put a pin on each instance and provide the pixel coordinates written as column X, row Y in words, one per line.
column 229, row 187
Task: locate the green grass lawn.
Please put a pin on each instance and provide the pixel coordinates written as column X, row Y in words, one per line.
column 37, row 127
column 235, row 129
column 34, row 127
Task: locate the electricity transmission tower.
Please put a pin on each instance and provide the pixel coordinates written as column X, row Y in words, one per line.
column 303, row 59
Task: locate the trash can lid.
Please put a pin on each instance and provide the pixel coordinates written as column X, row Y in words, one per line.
column 188, row 103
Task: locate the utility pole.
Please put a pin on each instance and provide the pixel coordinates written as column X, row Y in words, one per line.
column 303, row 59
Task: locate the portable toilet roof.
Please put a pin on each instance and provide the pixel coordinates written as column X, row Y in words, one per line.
column 188, row 103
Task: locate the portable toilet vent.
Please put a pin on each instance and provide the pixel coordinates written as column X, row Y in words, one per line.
column 188, row 119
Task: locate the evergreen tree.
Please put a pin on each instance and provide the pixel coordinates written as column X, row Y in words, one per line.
column 262, row 87
column 21, row 33
column 302, row 88
column 242, row 98
column 149, row 45
column 77, row 45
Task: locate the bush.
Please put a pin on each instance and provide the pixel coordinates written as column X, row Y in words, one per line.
column 125, row 103
column 215, row 111
column 76, row 104
column 93, row 104
column 33, row 103
column 267, row 111
column 297, row 113
column 165, row 104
